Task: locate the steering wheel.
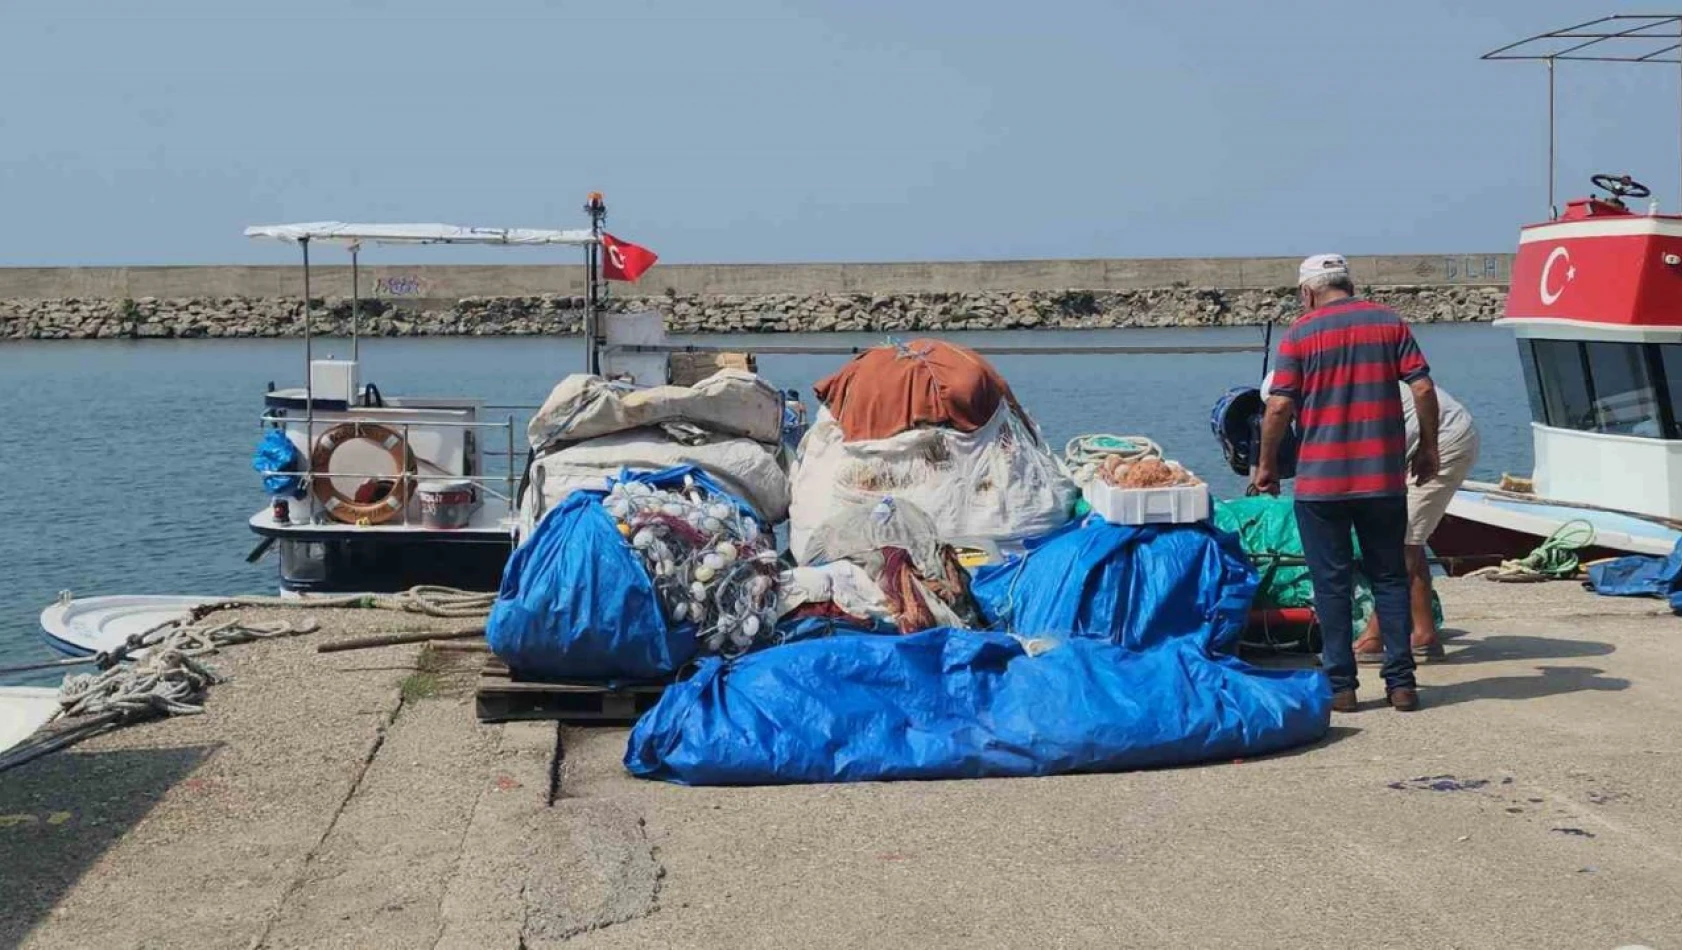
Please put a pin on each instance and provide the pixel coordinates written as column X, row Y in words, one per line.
column 1621, row 186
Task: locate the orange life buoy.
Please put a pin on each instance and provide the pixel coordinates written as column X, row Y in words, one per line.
column 346, row 508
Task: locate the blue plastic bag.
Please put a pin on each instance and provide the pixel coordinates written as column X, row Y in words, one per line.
column 963, row 704
column 1641, row 576
column 1132, row 586
column 576, row 601
column 276, row 455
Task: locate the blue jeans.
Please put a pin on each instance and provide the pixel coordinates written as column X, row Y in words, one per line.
column 1381, row 526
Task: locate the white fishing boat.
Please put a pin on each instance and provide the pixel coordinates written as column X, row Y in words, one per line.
column 23, row 710
column 88, row 625
column 1596, row 306
column 380, row 492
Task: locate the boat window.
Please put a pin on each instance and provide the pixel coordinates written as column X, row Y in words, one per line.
column 1564, row 379
column 1532, row 383
column 1670, row 364
column 1625, row 401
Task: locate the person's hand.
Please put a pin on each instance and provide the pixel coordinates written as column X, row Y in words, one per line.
column 1425, row 465
column 1264, row 480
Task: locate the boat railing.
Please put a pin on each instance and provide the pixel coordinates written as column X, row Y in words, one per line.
column 482, row 482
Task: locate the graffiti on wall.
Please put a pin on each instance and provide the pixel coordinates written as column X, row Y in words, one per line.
column 1467, row 268
column 1476, row 267
column 401, row 285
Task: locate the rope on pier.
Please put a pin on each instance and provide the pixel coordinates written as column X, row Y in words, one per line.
column 1556, row 559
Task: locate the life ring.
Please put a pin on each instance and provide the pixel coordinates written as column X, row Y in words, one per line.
column 345, row 508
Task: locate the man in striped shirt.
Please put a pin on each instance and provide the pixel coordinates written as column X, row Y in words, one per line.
column 1337, row 370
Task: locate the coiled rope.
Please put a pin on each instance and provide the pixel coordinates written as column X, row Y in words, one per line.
column 1556, row 558
column 168, row 679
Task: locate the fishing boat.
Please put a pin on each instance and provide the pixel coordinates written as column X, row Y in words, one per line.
column 1595, row 305
column 84, row 626
column 380, row 492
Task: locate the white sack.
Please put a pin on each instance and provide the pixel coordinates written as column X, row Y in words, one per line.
column 843, row 583
column 996, row 484
column 743, row 467
column 729, row 402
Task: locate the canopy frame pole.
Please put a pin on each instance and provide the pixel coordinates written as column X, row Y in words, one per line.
column 355, row 304
column 1603, row 40
column 1553, row 140
column 309, row 351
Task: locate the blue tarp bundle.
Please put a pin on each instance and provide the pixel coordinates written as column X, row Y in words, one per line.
column 1124, row 668
column 1132, row 586
column 962, row 704
column 1641, row 576
column 276, row 455
column 577, row 603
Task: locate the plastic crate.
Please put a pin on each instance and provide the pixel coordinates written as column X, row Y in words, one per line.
column 1181, row 504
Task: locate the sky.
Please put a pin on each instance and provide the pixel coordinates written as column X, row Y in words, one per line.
column 801, row 130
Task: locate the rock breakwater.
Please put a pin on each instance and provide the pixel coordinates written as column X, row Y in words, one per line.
column 152, row 318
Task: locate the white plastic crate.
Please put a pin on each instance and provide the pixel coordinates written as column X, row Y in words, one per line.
column 1180, row 504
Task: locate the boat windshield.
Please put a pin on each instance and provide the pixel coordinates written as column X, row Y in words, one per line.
column 1598, row 386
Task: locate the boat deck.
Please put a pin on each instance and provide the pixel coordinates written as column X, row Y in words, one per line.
column 489, row 523
column 353, row 799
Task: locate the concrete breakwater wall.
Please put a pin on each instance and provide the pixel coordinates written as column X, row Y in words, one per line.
column 201, row 317
column 439, row 285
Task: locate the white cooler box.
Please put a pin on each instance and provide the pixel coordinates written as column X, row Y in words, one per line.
column 1180, row 504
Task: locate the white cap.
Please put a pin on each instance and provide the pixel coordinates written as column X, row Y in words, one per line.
column 1322, row 265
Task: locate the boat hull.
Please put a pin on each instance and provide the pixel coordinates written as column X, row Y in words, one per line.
column 1484, row 526
column 89, row 625
column 23, row 710
column 389, row 564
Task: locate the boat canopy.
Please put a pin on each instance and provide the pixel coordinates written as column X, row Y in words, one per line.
column 415, row 234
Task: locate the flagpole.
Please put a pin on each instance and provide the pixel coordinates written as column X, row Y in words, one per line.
column 597, row 210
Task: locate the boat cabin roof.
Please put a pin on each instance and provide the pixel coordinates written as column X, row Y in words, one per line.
column 415, row 234
column 1598, row 269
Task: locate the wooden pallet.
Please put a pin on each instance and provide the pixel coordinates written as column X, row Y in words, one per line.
column 501, row 697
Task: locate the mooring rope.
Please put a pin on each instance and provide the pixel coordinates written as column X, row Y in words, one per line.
column 431, row 600
column 1555, row 559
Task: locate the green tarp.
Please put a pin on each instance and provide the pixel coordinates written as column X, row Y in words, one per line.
column 1267, row 528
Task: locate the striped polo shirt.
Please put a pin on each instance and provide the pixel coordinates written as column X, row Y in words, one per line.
column 1340, row 365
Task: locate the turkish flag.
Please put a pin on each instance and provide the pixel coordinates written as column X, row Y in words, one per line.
column 622, row 260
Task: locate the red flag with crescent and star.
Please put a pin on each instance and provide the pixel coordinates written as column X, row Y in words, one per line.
column 622, row 260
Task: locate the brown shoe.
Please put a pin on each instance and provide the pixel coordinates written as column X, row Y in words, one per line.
column 1403, row 698
column 1343, row 701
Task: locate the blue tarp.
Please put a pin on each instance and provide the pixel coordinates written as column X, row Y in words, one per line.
column 1132, row 586
column 961, row 704
column 577, row 603
column 1641, row 576
column 1138, row 622
column 276, row 454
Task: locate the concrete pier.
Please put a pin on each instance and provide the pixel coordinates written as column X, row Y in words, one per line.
column 352, row 800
